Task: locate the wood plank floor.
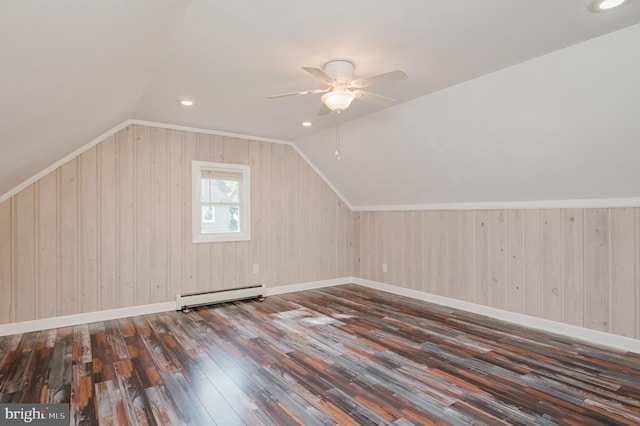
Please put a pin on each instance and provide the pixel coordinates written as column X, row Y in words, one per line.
column 342, row 355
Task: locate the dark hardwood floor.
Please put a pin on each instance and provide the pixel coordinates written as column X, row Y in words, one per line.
column 341, row 355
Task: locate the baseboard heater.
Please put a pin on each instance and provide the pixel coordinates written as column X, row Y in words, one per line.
column 190, row 300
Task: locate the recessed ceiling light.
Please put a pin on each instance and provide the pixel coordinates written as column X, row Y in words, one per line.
column 306, row 124
column 186, row 102
column 609, row 4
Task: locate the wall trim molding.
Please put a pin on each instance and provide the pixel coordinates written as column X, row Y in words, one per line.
column 130, row 311
column 168, row 126
column 249, row 137
column 587, row 203
column 4, row 197
column 312, row 285
column 33, row 179
column 84, row 318
column 585, row 334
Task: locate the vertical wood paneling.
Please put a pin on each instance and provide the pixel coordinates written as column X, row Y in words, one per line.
column 206, row 272
column 25, row 257
column 532, row 262
column 177, row 205
column 552, row 289
column 125, row 168
column 112, row 228
column 396, row 248
column 623, row 289
column 256, row 218
column 47, row 228
column 6, row 257
column 291, row 231
column 417, row 248
column 483, row 257
column 513, row 258
column 573, row 265
column 190, row 256
column 355, row 249
column 465, row 291
column 433, row 250
column 597, row 269
column 266, row 265
column 143, row 216
column 68, row 295
column 159, row 216
column 278, row 189
column 365, row 246
column 88, row 209
column 242, row 276
column 454, row 251
column 107, row 239
column 230, row 249
column 342, row 236
column 497, row 284
column 119, row 216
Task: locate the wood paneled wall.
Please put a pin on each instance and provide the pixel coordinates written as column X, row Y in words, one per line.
column 112, row 228
column 576, row 266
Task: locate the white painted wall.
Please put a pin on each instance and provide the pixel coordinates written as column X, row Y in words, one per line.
column 559, row 127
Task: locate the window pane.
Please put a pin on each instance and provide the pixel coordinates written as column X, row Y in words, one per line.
column 220, row 191
column 225, row 219
column 225, row 191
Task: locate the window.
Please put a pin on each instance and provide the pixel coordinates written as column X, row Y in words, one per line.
column 220, row 202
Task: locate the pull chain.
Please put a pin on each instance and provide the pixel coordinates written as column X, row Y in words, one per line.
column 338, row 134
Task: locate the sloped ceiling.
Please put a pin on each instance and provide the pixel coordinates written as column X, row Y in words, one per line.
column 504, row 99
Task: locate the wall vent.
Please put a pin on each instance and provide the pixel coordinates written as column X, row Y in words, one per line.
column 190, row 300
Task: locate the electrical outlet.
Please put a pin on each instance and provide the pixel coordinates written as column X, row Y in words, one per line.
column 256, row 268
column 384, row 267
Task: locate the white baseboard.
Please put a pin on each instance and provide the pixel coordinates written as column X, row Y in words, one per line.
column 585, row 334
column 88, row 317
column 312, row 285
column 593, row 336
column 110, row 314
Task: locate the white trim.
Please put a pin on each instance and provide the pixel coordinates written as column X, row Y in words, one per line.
column 206, row 131
column 154, row 124
column 312, row 285
column 250, row 137
column 110, row 314
column 585, row 334
column 33, row 179
column 323, row 177
column 88, row 317
column 244, row 203
column 587, row 203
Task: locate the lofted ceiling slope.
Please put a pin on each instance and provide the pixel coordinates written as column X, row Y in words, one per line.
column 73, row 69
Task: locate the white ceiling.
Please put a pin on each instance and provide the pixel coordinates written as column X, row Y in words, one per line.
column 73, row 69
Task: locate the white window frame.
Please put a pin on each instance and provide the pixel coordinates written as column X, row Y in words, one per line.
column 244, row 196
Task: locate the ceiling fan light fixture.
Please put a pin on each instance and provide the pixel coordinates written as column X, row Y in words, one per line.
column 602, row 5
column 338, row 99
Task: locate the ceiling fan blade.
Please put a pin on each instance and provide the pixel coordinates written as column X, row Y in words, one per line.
column 323, row 110
column 373, row 80
column 304, row 92
column 379, row 100
column 318, row 73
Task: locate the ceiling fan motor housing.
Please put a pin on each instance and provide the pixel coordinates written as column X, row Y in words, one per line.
column 340, row 70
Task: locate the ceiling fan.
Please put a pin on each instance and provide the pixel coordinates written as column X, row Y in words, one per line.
column 343, row 89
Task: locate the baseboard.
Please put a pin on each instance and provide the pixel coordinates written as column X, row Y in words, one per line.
column 88, row 317
column 110, row 314
column 585, row 334
column 592, row 336
column 312, row 285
